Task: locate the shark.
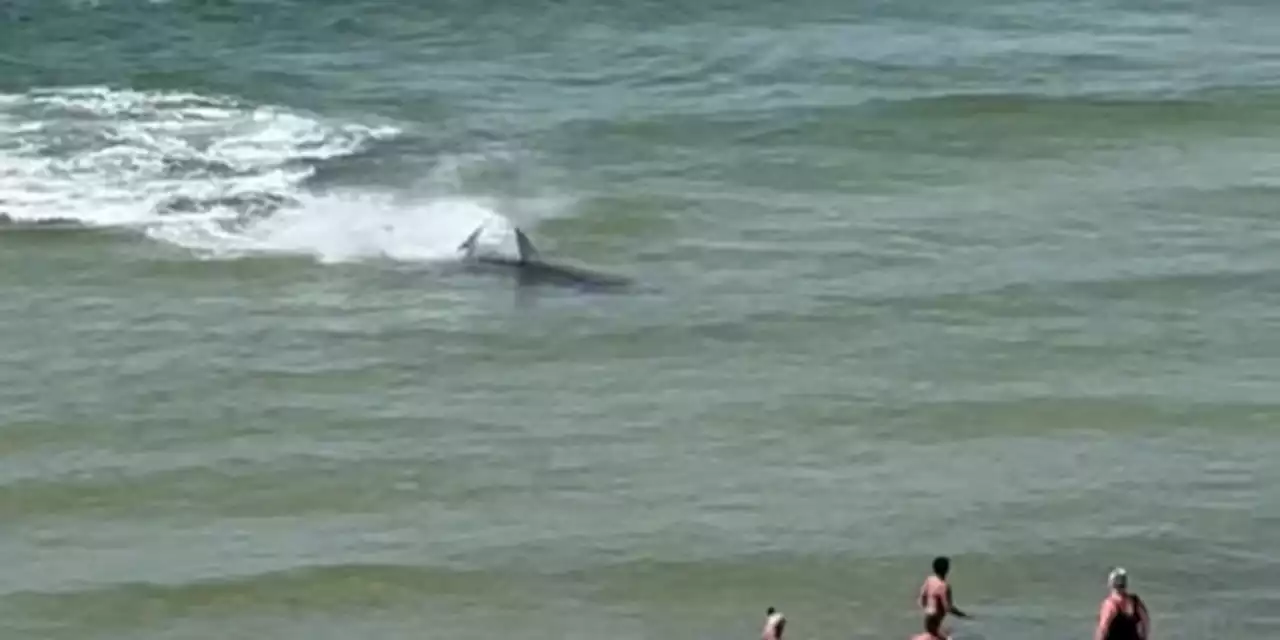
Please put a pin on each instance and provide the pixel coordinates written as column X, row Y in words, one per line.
column 530, row 269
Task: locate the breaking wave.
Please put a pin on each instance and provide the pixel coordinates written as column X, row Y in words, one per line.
column 212, row 174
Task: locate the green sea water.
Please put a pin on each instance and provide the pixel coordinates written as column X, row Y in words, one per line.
column 995, row 279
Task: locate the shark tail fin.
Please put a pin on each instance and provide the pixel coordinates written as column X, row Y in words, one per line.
column 468, row 246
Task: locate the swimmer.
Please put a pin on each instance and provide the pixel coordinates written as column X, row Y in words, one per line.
column 1122, row 616
column 774, row 624
column 935, row 594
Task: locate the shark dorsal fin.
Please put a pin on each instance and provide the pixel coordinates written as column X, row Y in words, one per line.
column 525, row 247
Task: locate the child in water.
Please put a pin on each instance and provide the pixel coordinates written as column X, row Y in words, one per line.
column 774, row 624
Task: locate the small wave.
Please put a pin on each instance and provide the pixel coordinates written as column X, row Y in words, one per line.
column 312, row 588
column 1002, row 102
column 8, row 223
column 211, row 174
column 1221, row 105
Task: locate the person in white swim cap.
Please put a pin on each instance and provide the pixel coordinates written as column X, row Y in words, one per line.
column 1123, row 615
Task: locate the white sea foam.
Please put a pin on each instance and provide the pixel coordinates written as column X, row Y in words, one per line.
column 216, row 176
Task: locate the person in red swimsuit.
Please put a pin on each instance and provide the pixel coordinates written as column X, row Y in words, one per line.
column 1123, row 615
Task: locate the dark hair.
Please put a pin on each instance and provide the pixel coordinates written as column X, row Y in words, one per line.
column 769, row 612
column 941, row 565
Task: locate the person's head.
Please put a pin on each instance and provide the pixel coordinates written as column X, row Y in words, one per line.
column 770, row 611
column 941, row 566
column 1118, row 579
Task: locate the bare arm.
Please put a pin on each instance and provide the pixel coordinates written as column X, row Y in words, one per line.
column 1105, row 616
column 951, row 605
column 1144, row 620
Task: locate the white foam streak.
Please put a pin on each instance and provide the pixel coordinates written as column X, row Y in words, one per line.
column 340, row 229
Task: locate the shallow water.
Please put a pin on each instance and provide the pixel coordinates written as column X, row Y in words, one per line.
column 991, row 279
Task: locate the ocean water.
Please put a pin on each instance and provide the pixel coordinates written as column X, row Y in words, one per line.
column 995, row 279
